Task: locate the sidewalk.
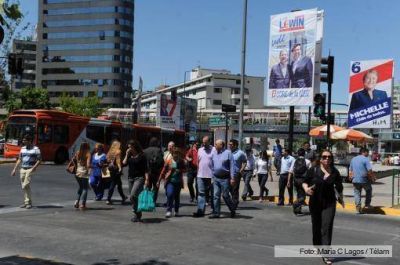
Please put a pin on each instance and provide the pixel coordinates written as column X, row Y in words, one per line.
column 6, row 160
column 381, row 195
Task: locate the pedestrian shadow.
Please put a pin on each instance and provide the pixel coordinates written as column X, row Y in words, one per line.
column 374, row 210
column 49, row 207
column 2, row 206
column 342, row 259
column 28, row 260
column 117, row 262
column 99, row 208
column 248, row 208
column 154, row 220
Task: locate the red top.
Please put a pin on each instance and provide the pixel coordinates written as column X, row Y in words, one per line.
column 192, row 153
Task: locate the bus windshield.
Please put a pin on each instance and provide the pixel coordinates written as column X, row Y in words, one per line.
column 17, row 127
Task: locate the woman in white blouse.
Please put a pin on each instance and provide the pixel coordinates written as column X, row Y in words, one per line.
column 261, row 170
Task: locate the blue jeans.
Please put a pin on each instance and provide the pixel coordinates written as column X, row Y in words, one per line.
column 222, row 186
column 204, row 186
column 247, row 191
column 173, row 196
column 357, row 193
column 83, row 189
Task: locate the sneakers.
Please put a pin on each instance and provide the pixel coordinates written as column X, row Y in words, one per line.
column 233, row 214
column 176, row 214
column 28, row 206
column 359, row 209
column 76, row 204
column 244, row 198
column 108, row 202
column 22, row 206
column 198, row 214
column 168, row 214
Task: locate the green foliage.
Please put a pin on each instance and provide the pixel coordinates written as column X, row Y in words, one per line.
column 88, row 106
column 12, row 103
column 34, row 98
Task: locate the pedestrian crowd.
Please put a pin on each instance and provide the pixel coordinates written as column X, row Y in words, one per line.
column 212, row 172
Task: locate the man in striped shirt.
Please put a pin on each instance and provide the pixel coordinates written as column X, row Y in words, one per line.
column 29, row 158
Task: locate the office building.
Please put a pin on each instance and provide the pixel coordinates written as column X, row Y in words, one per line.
column 27, row 49
column 85, row 48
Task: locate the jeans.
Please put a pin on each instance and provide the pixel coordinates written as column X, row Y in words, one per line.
column 283, row 180
column 115, row 181
column 83, row 189
column 262, row 180
column 322, row 223
column 222, row 186
column 135, row 188
column 173, row 191
column 301, row 195
column 277, row 165
column 235, row 189
column 247, row 191
column 357, row 193
column 97, row 186
column 204, row 186
column 191, row 180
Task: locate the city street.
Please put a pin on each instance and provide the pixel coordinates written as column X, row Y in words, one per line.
column 54, row 230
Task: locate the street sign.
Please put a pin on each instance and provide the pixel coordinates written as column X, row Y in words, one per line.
column 216, row 121
column 228, row 108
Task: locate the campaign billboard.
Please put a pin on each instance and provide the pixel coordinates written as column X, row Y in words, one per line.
column 188, row 115
column 370, row 94
column 168, row 111
column 292, row 56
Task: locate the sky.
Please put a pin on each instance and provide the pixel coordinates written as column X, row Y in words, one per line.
column 174, row 36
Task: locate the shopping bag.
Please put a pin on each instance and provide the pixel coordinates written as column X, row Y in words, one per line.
column 146, row 202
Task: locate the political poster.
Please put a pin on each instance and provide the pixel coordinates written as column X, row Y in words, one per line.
column 292, row 56
column 370, row 94
column 188, row 115
column 168, row 112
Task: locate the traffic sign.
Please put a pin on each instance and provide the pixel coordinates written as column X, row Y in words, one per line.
column 228, row 108
column 216, row 121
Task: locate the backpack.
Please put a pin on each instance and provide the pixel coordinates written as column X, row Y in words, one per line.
column 300, row 167
column 156, row 162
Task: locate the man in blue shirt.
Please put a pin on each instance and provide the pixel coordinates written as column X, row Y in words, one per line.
column 286, row 163
column 223, row 170
column 361, row 175
column 240, row 160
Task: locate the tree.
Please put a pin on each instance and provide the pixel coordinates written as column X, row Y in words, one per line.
column 34, row 98
column 88, row 106
column 13, row 102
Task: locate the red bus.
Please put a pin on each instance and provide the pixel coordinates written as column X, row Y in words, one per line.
column 59, row 134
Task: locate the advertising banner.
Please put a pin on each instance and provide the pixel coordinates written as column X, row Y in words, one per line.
column 168, row 112
column 188, row 115
column 370, row 94
column 292, row 56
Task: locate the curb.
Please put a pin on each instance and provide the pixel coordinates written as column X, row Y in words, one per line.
column 7, row 161
column 349, row 207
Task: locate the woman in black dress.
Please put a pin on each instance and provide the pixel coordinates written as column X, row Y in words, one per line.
column 324, row 185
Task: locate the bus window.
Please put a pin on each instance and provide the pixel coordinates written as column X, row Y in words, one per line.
column 61, row 133
column 95, row 133
column 45, row 133
column 112, row 133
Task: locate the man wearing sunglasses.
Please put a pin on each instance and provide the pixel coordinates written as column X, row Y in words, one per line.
column 361, row 175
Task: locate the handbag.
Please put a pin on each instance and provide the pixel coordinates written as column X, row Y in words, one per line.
column 72, row 165
column 146, row 202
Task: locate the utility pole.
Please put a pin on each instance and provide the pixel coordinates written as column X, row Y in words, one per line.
column 243, row 67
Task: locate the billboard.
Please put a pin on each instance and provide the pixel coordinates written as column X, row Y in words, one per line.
column 168, row 112
column 176, row 113
column 292, row 55
column 370, row 94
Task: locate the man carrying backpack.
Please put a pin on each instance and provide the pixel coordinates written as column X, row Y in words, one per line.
column 155, row 160
column 298, row 172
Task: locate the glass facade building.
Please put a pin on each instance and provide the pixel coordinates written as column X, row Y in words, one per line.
column 85, row 47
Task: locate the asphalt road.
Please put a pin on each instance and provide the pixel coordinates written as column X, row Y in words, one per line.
column 54, row 231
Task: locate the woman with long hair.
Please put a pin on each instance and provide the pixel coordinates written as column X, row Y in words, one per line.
column 82, row 158
column 115, row 168
column 173, row 180
column 324, row 185
column 261, row 170
column 98, row 162
column 138, row 175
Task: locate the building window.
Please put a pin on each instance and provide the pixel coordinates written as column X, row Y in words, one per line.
column 217, row 102
column 236, row 91
column 238, row 82
column 217, row 90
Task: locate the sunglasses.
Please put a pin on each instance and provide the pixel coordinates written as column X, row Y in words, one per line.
column 326, row 157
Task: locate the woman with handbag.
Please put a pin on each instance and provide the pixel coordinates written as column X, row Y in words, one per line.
column 98, row 163
column 173, row 179
column 323, row 184
column 138, row 175
column 81, row 161
column 115, row 168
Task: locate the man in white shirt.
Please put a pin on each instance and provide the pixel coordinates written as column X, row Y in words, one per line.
column 286, row 163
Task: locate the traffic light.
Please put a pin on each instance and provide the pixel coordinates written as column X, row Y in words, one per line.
column 327, row 64
column 319, row 105
column 12, row 64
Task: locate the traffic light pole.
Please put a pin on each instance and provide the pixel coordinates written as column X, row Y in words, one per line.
column 328, row 120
